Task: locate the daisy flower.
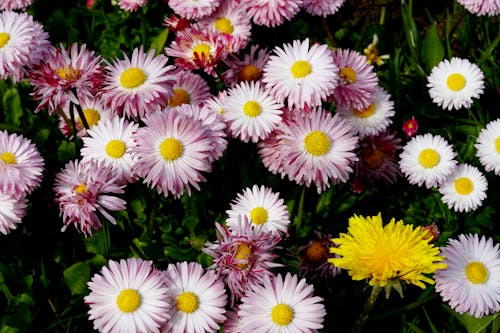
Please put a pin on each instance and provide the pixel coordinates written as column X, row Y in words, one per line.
column 454, row 83
column 112, row 143
column 173, row 150
column 269, row 153
column 318, row 148
column 314, row 258
column 193, row 9
column 12, row 211
column 233, row 322
column 372, row 120
column 128, row 296
column 62, row 74
column 372, row 55
column 358, row 81
column 301, row 75
column 410, row 127
column 386, row 254
column 263, row 207
column 215, row 104
column 465, row 189
column 176, row 23
column 198, row 298
column 427, row 159
column 21, row 165
column 9, row 5
column 282, row 305
column 271, row 13
column 471, row 282
column 189, row 88
column 242, row 256
column 481, row 7
column 131, row 5
column 138, row 86
column 22, row 44
column 83, row 190
column 248, row 67
column 488, row 147
column 250, row 112
column 322, row 7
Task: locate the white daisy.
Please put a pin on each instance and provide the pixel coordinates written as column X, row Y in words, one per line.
column 263, row 207
column 12, row 211
column 454, row 83
column 112, row 142
column 250, row 112
column 465, row 189
column 488, row 147
column 427, row 159
column 372, row 120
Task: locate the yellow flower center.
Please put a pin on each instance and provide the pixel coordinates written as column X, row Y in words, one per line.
column 259, row 215
column 180, row 97
column 115, row 148
column 300, row 69
column 128, row 300
column 81, row 188
column 171, row 149
column 456, row 82
column 463, row 185
column 252, row 109
column 366, row 112
column 68, row 73
column 497, row 144
column 476, row 272
column 202, row 49
column 187, row 302
column 282, row 314
column 317, row 143
column 243, row 253
column 373, row 158
column 91, row 116
column 8, row 158
column 348, row 75
column 316, row 253
column 4, row 39
column 132, row 77
column 428, row 158
column 250, row 73
column 224, row 25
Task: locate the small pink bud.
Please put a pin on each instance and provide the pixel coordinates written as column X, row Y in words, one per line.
column 410, row 127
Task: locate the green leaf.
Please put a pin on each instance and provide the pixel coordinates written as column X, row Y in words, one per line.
column 66, row 151
column 473, row 324
column 76, row 277
column 11, row 103
column 432, row 51
column 159, row 41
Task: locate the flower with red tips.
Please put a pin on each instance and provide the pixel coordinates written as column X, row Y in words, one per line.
column 9, row 5
column 481, row 7
column 193, row 9
column 246, row 67
column 410, row 127
column 271, row 13
column 322, row 7
column 176, row 23
column 189, row 88
column 12, row 211
column 131, row 5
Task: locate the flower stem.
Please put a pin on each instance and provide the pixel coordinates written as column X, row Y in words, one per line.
column 298, row 220
column 369, row 305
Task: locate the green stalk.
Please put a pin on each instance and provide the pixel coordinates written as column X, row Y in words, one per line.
column 367, row 309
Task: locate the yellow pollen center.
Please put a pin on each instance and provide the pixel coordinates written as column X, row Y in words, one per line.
column 115, row 148
column 317, row 143
column 132, row 77
column 463, row 186
column 456, row 82
column 348, row 75
column 497, row 144
column 250, row 73
column 373, row 158
column 4, row 39
column 428, row 158
column 81, row 188
column 180, row 97
column 301, row 69
column 68, row 73
column 128, row 300
column 316, row 253
column 224, row 25
column 8, row 158
column 370, row 110
column 202, row 49
column 476, row 272
column 259, row 215
column 282, row 314
column 187, row 302
column 242, row 254
column 252, row 108
column 91, row 116
column 171, row 149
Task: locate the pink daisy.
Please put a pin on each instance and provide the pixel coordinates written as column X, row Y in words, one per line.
column 135, row 87
column 284, row 305
column 21, row 165
column 173, row 150
column 83, row 190
column 63, row 74
column 358, row 81
column 271, row 13
column 314, row 256
column 193, row 9
column 128, row 296
column 410, row 127
column 242, row 256
column 481, row 7
column 14, row 4
column 216, row 103
column 233, row 322
column 12, row 211
column 247, row 68
column 189, row 88
column 131, row 5
column 322, row 7
column 22, row 44
column 176, row 23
